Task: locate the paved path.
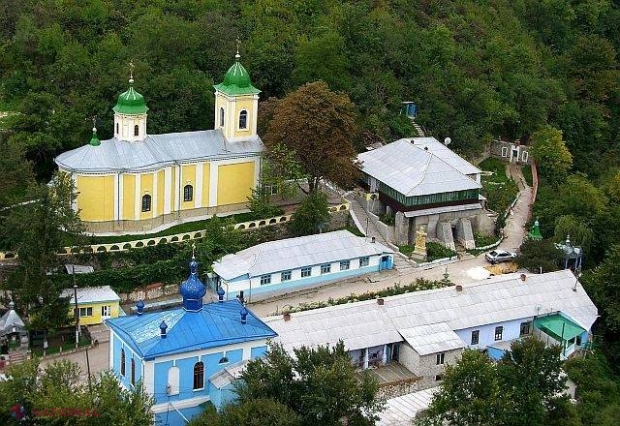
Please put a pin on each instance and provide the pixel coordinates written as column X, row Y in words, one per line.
column 515, row 224
column 97, row 357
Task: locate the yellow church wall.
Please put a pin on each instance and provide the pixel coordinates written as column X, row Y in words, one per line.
column 248, row 105
column 188, row 177
column 129, row 197
column 235, row 183
column 161, row 179
column 146, row 185
column 206, row 180
column 95, row 198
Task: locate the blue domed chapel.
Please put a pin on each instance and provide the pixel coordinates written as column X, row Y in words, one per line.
column 186, row 356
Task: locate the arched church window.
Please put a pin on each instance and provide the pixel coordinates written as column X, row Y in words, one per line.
column 243, row 119
column 133, row 371
column 136, row 130
column 199, row 375
column 146, row 203
column 118, row 128
column 221, row 117
column 122, row 362
column 188, row 193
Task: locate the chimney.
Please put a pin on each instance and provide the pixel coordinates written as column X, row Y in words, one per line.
column 523, row 277
column 162, row 329
column 140, row 307
column 459, row 288
column 380, row 301
column 286, row 316
column 244, row 315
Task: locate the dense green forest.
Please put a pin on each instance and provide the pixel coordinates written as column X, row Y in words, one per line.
column 476, row 69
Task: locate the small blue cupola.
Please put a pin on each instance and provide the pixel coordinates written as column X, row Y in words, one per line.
column 244, row 315
column 192, row 289
column 162, row 329
column 220, row 294
column 140, row 307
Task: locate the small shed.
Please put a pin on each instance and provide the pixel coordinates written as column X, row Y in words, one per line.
column 95, row 304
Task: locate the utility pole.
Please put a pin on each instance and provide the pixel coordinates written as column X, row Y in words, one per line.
column 77, row 311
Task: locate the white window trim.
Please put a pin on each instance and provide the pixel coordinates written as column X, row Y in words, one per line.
column 504, row 152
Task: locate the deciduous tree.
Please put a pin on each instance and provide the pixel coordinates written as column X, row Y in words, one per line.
column 318, row 384
column 551, row 154
column 318, row 125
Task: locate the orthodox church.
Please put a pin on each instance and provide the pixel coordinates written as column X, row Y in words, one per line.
column 136, row 181
column 186, row 357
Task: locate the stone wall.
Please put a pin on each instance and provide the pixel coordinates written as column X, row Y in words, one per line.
column 428, row 369
column 149, row 292
column 393, row 390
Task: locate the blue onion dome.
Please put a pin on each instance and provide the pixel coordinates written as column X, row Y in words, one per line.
column 192, row 289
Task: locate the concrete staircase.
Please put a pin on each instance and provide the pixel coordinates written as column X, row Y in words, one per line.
column 364, row 224
column 418, row 128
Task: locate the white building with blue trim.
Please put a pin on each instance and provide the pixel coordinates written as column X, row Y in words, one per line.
column 302, row 262
column 187, row 356
column 424, row 330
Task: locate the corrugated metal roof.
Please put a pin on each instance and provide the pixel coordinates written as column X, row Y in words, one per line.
column 293, row 253
column 412, row 170
column 443, row 209
column 432, row 338
column 447, row 155
column 400, row 411
column 228, row 374
column 358, row 328
column 91, row 294
column 11, row 320
column 156, row 151
column 499, row 299
column 217, row 324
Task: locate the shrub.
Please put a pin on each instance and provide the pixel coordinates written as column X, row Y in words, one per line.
column 437, row 251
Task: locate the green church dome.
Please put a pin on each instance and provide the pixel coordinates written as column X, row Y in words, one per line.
column 237, row 81
column 94, row 141
column 131, row 102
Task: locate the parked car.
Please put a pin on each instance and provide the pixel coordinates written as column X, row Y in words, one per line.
column 497, row 256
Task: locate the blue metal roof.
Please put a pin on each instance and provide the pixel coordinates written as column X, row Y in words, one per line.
column 217, row 324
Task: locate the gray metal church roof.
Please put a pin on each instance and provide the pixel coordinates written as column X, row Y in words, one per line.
column 419, row 166
column 426, row 317
column 155, row 151
column 294, row 253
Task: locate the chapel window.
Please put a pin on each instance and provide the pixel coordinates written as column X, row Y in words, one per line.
column 146, row 203
column 243, row 119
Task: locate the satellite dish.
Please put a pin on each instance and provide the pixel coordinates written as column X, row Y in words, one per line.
column 447, row 141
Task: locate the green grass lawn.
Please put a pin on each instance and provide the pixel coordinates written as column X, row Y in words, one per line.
column 499, row 190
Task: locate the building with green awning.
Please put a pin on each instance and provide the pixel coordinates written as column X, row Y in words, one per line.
column 557, row 326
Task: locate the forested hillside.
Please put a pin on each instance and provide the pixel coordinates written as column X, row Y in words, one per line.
column 476, row 69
